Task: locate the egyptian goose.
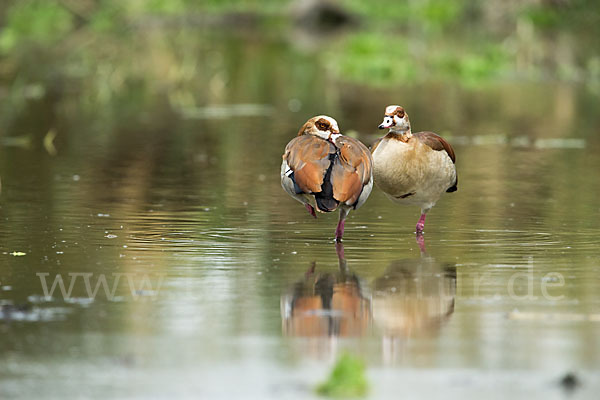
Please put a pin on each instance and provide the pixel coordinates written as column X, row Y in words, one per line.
column 325, row 170
column 412, row 169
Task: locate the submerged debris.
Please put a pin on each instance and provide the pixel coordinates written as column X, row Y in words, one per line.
column 518, row 141
column 539, row 316
column 6, row 309
column 569, row 381
column 560, row 143
column 49, row 142
column 27, row 312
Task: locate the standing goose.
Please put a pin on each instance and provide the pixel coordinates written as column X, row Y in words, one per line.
column 412, row 169
column 325, row 170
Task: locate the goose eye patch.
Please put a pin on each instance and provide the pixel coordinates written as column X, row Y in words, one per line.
column 322, row 125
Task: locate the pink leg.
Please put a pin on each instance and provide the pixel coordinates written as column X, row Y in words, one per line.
column 421, row 242
column 421, row 224
column 339, row 232
column 311, row 210
column 339, row 249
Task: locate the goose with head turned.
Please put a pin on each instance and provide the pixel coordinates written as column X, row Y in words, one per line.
column 327, row 171
column 412, row 168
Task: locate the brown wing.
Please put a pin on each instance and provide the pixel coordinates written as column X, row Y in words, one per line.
column 375, row 144
column 351, row 170
column 436, row 142
column 308, row 157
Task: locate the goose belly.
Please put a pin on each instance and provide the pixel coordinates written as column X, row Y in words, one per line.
column 412, row 174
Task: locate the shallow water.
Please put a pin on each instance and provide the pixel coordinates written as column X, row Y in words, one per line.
column 220, row 285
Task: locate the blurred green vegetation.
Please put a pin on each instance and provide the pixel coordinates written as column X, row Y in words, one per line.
column 113, row 61
column 397, row 41
column 347, row 379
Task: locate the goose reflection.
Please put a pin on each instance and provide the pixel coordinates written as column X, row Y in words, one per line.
column 413, row 298
column 327, row 304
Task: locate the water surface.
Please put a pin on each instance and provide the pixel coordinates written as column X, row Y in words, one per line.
column 219, row 285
